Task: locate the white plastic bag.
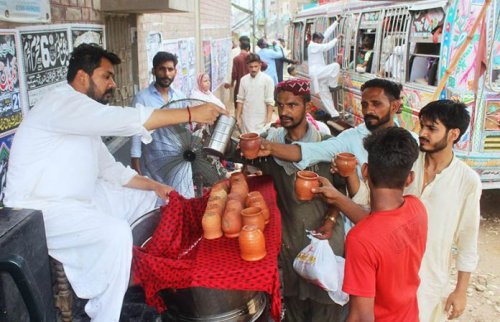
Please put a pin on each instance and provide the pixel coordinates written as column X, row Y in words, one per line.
column 318, row 264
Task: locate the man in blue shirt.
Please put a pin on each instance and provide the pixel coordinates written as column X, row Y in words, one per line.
column 157, row 94
column 269, row 56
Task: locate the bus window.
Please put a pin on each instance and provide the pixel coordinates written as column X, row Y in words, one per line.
column 307, row 38
column 393, row 51
column 347, row 27
column 297, row 43
column 362, row 60
column 331, row 55
column 425, row 41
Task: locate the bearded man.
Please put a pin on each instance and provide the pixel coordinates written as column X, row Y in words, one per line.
column 157, row 94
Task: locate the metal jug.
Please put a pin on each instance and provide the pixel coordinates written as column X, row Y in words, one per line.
column 221, row 135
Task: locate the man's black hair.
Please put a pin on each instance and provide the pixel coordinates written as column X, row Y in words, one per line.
column 391, row 154
column 452, row 114
column 244, row 45
column 244, row 38
column 252, row 58
column 290, row 69
column 162, row 57
column 87, row 57
column 318, row 35
column 261, row 43
column 391, row 89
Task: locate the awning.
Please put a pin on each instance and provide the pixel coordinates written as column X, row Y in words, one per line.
column 147, row 6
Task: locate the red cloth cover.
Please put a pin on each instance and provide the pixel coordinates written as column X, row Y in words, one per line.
column 165, row 261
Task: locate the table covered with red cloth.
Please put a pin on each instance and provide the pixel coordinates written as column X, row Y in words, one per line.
column 178, row 257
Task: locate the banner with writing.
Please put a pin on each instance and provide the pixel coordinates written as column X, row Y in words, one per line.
column 11, row 103
column 87, row 34
column 46, row 55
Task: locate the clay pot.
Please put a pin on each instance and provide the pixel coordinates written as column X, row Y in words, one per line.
column 253, row 216
column 305, row 181
column 346, row 163
column 252, row 243
column 237, row 176
column 231, row 220
column 258, row 201
column 252, row 194
column 250, row 145
column 223, row 184
column 211, row 223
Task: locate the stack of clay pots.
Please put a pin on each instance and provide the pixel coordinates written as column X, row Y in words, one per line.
column 237, row 214
column 212, row 218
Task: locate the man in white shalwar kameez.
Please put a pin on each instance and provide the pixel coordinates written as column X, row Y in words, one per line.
column 323, row 76
column 59, row 164
column 255, row 100
column 450, row 190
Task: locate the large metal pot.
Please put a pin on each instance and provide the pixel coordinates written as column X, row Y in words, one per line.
column 199, row 303
column 221, row 135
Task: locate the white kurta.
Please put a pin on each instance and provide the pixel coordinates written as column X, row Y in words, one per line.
column 322, row 75
column 255, row 93
column 452, row 202
column 59, row 164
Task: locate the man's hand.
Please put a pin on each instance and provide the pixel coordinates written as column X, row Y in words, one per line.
column 162, row 191
column 265, row 148
column 206, row 113
column 455, row 304
column 327, row 191
column 340, row 36
column 227, row 85
column 325, row 231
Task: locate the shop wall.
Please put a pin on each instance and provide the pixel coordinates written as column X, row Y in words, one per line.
column 215, row 18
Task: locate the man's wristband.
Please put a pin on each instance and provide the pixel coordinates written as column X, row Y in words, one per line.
column 189, row 121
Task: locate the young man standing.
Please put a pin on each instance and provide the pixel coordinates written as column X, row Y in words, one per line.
column 451, row 191
column 157, row 94
column 384, row 250
column 254, row 106
column 323, row 76
column 304, row 301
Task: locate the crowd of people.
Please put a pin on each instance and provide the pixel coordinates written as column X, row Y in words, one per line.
column 407, row 205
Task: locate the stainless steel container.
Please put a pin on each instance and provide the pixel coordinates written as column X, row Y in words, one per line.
column 220, row 136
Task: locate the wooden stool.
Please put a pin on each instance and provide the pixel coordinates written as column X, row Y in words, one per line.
column 63, row 294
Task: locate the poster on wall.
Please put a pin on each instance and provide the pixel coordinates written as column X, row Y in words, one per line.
column 219, row 56
column 153, row 45
column 11, row 102
column 45, row 59
column 25, row 10
column 5, row 144
column 186, row 65
column 207, row 60
column 87, row 34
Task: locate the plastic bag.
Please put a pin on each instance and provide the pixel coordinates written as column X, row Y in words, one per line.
column 318, row 264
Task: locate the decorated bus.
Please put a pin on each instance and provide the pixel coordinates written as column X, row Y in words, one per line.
column 435, row 49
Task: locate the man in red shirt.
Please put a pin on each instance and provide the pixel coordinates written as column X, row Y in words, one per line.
column 384, row 250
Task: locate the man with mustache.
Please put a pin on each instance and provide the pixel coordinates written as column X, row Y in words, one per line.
column 157, row 94
column 59, row 164
column 304, row 301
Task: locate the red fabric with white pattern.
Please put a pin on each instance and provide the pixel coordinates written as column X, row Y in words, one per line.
column 211, row 263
